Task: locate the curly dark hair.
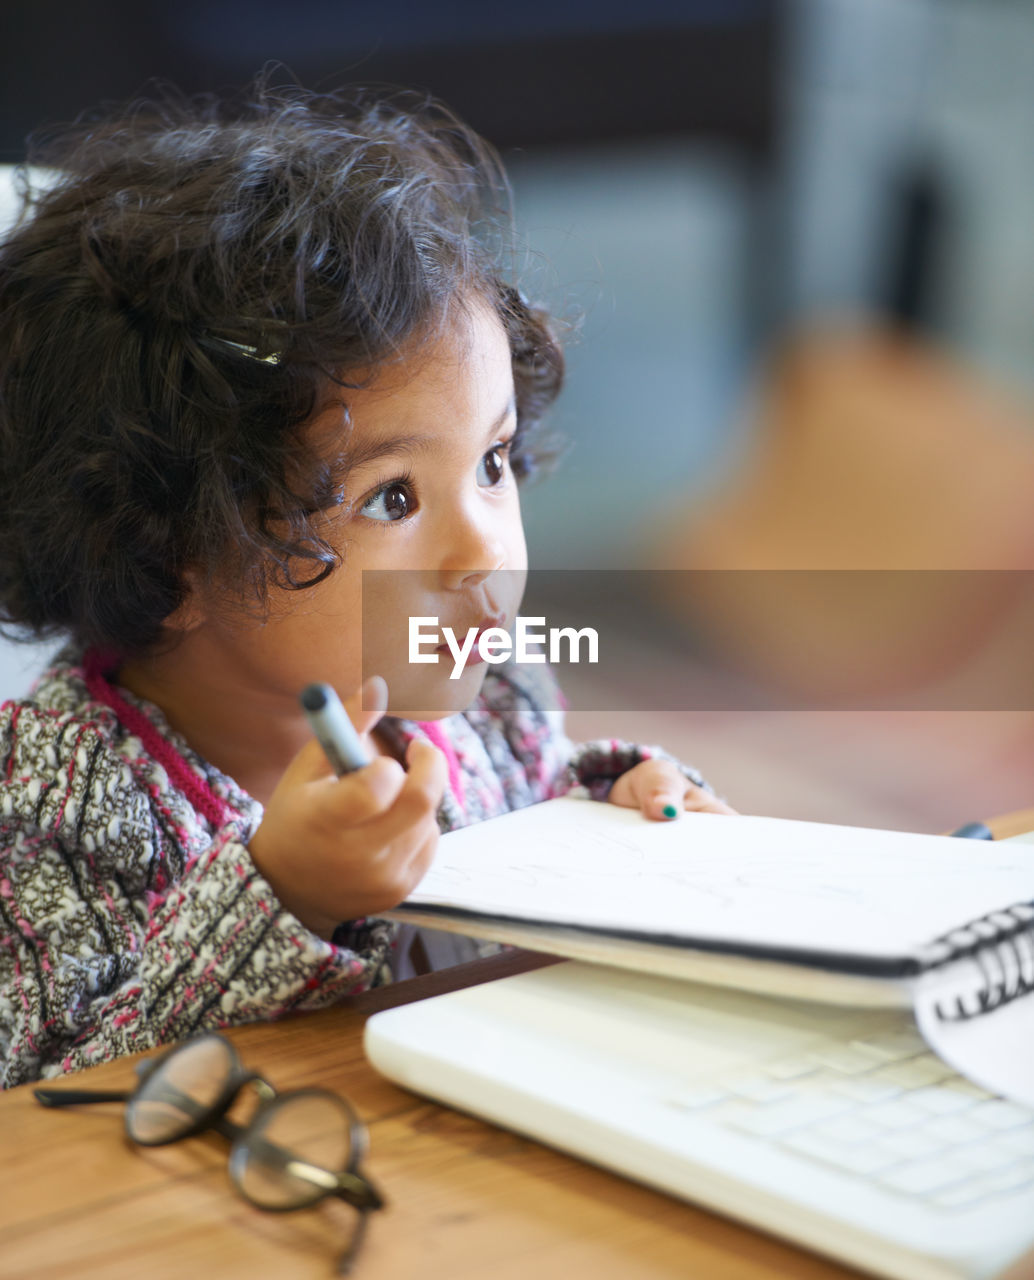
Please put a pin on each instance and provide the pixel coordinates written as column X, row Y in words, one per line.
column 173, row 310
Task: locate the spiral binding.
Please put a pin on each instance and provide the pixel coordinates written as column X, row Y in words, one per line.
column 1002, row 944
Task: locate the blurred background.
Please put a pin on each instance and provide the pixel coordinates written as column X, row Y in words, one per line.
column 792, row 241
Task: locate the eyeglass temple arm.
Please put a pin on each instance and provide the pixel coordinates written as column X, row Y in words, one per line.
column 347, row 1259
column 76, row 1097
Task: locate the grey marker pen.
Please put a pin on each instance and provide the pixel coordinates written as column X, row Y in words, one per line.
column 329, row 721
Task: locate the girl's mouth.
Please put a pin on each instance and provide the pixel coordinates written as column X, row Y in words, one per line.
column 474, row 656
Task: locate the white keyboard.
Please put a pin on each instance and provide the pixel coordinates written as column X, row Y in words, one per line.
column 833, row 1127
column 883, row 1109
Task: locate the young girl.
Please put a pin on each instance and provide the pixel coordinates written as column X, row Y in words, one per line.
column 243, row 358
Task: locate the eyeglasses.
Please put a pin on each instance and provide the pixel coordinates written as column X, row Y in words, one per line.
column 296, row 1150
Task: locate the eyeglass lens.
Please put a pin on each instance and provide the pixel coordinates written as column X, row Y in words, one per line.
column 181, row 1089
column 293, row 1151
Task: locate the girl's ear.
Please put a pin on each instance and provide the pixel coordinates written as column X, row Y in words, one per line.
column 189, row 614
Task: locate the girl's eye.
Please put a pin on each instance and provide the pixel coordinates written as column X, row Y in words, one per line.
column 390, row 503
column 493, row 465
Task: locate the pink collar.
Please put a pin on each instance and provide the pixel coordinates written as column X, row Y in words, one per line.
column 195, row 788
column 440, row 738
column 96, row 665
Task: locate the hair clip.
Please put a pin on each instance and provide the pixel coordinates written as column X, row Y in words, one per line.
column 250, row 352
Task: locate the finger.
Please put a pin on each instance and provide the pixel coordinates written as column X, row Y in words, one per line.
column 309, row 765
column 698, row 800
column 405, row 863
column 419, row 798
column 369, row 702
column 421, row 861
column 362, row 795
column 661, row 791
column 405, row 859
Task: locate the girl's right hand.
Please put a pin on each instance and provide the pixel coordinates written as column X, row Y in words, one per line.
column 335, row 849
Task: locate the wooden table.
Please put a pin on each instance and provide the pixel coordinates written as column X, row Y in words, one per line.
column 1012, row 824
column 468, row 1201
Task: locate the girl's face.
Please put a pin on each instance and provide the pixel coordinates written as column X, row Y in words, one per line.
column 430, row 497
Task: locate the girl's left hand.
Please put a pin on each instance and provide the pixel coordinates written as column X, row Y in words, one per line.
column 661, row 792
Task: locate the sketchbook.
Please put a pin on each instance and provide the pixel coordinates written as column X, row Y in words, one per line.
column 799, row 909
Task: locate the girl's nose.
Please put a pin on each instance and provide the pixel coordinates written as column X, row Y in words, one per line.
column 473, row 552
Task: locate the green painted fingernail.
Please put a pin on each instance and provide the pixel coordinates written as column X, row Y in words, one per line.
column 670, row 811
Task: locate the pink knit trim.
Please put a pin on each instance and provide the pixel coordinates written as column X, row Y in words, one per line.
column 196, row 789
column 441, row 740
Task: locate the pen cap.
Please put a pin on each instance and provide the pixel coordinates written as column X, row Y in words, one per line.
column 314, row 697
column 330, row 723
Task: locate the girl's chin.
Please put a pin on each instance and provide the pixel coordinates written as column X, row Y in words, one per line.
column 436, row 699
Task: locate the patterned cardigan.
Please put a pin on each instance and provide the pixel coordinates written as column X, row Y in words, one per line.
column 131, row 913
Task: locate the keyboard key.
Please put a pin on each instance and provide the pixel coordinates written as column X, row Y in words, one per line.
column 850, row 1059
column 864, row 1161
column 920, row 1177
column 967, row 1088
column 913, row 1074
column 939, row 1101
column 1019, row 1140
column 782, row 1117
column 960, row 1196
column 969, row 1193
column 895, row 1045
column 894, row 1115
column 985, row 1157
column 1012, row 1178
column 913, row 1144
column 998, row 1114
column 954, row 1130
column 791, row 1068
column 759, row 1088
column 936, row 1066
column 809, row 1143
column 865, row 1089
column 849, row 1129
column 697, row 1097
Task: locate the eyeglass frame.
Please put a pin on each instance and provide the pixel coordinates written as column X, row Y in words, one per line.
column 351, row 1185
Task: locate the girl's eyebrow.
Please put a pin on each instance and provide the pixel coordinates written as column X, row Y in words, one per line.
column 433, row 446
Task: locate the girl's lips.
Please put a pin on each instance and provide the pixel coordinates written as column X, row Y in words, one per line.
column 474, row 656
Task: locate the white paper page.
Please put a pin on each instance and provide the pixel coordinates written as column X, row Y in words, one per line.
column 996, row 1049
column 770, row 882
